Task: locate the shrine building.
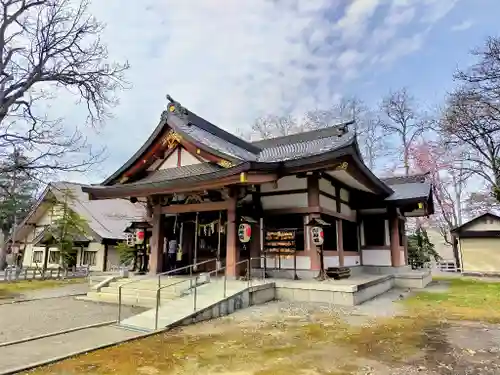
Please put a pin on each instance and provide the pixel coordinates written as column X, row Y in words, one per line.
column 200, row 183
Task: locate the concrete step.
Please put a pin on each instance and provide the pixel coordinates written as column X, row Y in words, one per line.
column 152, row 284
column 128, row 300
column 150, row 293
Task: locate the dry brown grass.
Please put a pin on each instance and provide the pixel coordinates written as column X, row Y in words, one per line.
column 324, row 347
column 322, row 344
column 12, row 289
column 467, row 299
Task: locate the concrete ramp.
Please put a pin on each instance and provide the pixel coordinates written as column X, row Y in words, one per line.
column 209, row 303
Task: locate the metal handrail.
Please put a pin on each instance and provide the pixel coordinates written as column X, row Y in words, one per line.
column 190, row 266
column 158, row 292
column 195, row 287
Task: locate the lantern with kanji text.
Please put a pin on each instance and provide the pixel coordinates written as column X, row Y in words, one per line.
column 318, row 236
column 244, row 232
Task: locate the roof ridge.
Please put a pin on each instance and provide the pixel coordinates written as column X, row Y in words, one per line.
column 309, row 135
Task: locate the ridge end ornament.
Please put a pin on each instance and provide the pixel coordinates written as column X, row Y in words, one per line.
column 176, row 108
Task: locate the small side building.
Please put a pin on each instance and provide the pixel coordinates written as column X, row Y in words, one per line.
column 478, row 244
column 106, row 221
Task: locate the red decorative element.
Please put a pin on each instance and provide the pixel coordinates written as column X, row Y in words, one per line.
column 139, row 236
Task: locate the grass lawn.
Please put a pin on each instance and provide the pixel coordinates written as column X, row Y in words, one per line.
column 321, row 343
column 12, row 289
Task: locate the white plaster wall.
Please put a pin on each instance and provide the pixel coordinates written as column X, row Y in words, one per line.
column 326, row 202
column 352, row 260
column 362, row 233
column 387, row 233
column 331, row 261
column 285, row 183
column 170, row 162
column 326, row 186
column 187, row 158
column 402, row 258
column 372, row 257
column 345, row 209
column 344, row 195
column 303, row 262
column 285, row 201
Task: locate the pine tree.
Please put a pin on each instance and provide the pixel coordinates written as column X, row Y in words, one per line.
column 420, row 249
column 18, row 190
column 66, row 228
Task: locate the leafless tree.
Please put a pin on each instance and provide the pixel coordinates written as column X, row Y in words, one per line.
column 403, row 120
column 49, row 49
column 472, row 116
column 467, row 122
column 479, row 202
column 482, row 79
column 275, row 126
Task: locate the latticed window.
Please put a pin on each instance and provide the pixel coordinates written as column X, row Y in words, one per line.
column 54, row 257
column 89, row 258
column 37, row 256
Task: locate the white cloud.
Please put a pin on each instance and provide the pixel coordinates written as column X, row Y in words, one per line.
column 437, row 9
column 462, row 26
column 231, row 61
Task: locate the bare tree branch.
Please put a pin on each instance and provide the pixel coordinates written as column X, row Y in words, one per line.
column 404, row 120
column 47, row 46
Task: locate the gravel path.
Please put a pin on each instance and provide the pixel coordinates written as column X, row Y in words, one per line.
column 27, row 319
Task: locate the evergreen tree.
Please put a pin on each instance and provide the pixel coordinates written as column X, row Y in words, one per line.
column 17, row 194
column 420, row 249
column 67, row 227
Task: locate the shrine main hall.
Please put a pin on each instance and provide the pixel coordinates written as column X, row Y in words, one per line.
column 200, row 183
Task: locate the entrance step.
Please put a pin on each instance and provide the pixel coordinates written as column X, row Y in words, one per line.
column 142, row 292
column 210, row 303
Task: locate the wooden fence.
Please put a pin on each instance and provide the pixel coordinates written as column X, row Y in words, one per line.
column 35, row 273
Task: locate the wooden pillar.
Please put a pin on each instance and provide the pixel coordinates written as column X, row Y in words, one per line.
column 156, row 242
column 340, row 243
column 394, row 238
column 313, row 201
column 232, row 253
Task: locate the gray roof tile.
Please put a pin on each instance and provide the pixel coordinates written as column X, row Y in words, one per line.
column 180, row 172
column 310, row 147
column 410, row 190
column 107, row 218
column 213, row 141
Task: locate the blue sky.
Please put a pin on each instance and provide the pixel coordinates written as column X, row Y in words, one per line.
column 232, row 61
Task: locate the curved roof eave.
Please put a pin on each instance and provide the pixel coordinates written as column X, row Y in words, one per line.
column 156, row 132
column 361, row 164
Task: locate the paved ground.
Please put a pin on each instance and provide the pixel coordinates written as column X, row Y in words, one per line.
column 27, row 319
column 29, row 353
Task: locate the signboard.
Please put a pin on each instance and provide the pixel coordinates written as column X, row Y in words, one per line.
column 280, row 241
column 317, row 236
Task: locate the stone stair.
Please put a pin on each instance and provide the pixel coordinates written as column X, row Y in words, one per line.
column 142, row 292
column 210, row 303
